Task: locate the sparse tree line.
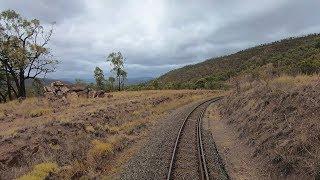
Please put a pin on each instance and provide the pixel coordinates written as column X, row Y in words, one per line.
column 26, row 57
column 115, row 82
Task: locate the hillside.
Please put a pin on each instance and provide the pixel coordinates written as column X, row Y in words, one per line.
column 278, row 123
column 290, row 55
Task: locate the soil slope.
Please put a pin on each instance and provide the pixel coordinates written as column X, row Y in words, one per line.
column 279, row 122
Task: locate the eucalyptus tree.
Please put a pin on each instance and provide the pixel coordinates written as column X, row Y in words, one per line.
column 24, row 50
column 111, row 81
column 99, row 77
column 117, row 64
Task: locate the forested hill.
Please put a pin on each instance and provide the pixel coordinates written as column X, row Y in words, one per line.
column 290, row 55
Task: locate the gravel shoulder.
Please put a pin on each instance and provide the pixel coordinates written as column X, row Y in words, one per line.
column 235, row 154
column 153, row 159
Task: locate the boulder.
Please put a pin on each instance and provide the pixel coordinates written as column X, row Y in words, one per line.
column 95, row 94
column 58, row 90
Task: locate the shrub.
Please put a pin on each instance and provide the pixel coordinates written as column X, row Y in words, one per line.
column 101, row 148
column 200, row 84
column 309, row 67
column 133, row 126
column 213, row 85
column 317, row 44
column 39, row 112
column 40, row 171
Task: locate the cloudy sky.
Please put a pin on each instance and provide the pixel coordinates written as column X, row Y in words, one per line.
column 159, row 35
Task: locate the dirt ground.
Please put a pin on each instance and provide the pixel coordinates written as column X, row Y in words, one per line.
column 235, row 154
column 89, row 138
column 273, row 125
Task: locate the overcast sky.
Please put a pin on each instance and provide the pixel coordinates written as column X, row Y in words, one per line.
column 159, row 35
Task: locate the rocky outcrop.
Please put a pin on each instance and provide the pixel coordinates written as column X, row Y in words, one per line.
column 59, row 89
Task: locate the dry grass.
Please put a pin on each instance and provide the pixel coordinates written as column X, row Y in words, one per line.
column 286, row 83
column 25, row 107
column 40, row 171
column 40, row 112
column 101, row 148
column 280, row 122
column 85, row 136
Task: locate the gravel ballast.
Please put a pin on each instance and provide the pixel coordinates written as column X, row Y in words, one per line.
column 153, row 160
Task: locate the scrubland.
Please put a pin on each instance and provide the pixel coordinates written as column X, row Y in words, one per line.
column 80, row 137
column 279, row 120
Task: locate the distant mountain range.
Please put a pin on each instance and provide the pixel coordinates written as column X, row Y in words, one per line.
column 138, row 80
column 130, row 81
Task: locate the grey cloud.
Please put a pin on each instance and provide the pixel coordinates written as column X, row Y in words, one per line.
column 157, row 36
column 45, row 10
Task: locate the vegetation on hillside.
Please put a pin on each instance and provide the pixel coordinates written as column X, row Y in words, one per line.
column 279, row 120
column 289, row 56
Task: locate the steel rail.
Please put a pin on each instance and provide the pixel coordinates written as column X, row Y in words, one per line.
column 202, row 155
column 202, row 159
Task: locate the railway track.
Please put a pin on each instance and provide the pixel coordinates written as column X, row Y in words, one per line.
column 188, row 160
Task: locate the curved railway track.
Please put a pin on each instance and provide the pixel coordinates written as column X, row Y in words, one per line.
column 188, row 160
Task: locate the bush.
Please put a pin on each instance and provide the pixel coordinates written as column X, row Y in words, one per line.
column 101, row 148
column 39, row 112
column 40, row 171
column 200, row 84
column 213, row 85
column 309, row 67
column 317, row 44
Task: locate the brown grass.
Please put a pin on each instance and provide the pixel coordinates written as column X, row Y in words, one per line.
column 40, row 171
column 280, row 122
column 83, row 136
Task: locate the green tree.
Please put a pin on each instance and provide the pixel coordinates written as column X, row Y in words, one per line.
column 99, row 77
column 23, row 49
column 3, row 87
column 117, row 63
column 111, row 80
column 318, row 44
column 200, row 84
column 155, row 84
column 80, row 81
column 37, row 87
column 123, row 77
column 309, row 67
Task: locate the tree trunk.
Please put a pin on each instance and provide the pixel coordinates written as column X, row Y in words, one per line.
column 119, row 80
column 22, row 87
column 15, row 78
column 8, row 85
column 2, row 98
